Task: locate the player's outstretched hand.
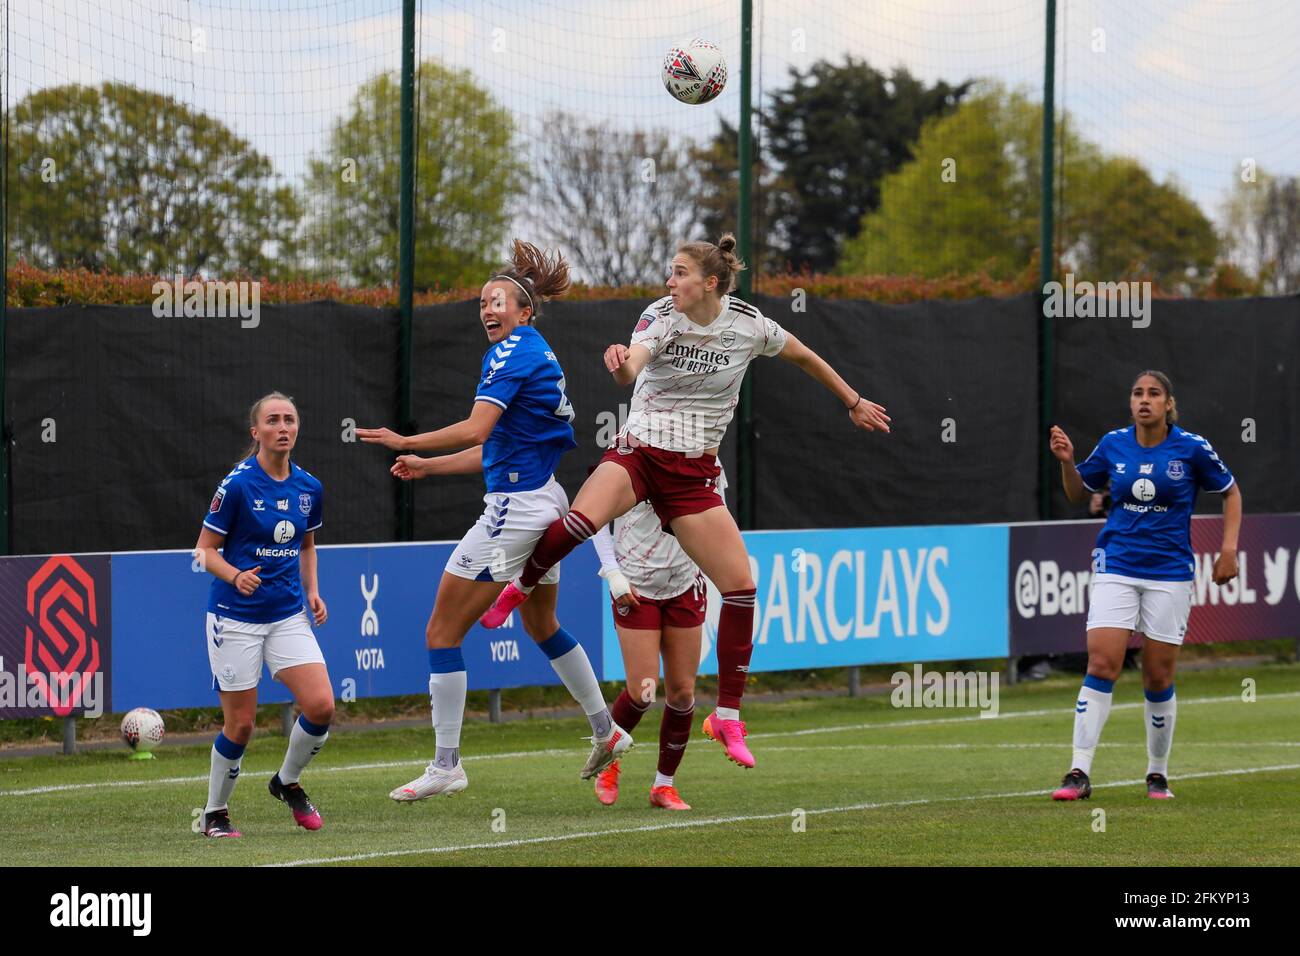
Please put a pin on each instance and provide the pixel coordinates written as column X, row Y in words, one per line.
column 1061, row 445
column 318, row 612
column 867, row 414
column 381, row 436
column 615, row 356
column 410, row 467
column 246, row 582
column 1225, row 567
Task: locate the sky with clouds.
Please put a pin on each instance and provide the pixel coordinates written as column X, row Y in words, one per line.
column 1189, row 87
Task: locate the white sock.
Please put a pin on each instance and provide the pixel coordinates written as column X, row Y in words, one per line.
column 1160, row 717
column 305, row 741
column 574, row 670
column 662, row 781
column 447, row 703
column 728, row 713
column 1090, row 712
column 224, row 772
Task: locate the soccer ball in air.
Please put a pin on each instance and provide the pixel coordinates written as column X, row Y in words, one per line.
column 142, row 729
column 695, row 71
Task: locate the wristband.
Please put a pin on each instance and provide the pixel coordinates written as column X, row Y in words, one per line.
column 855, row 404
column 234, row 582
column 618, row 583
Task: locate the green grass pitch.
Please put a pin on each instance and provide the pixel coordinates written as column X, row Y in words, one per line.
column 875, row 784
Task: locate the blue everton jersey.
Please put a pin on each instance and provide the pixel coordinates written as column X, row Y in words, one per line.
column 522, row 375
column 1149, row 531
column 264, row 521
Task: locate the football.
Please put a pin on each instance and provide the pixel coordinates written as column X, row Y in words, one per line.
column 695, row 71
column 142, row 729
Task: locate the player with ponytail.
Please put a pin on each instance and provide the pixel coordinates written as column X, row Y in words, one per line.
column 687, row 357
column 520, row 425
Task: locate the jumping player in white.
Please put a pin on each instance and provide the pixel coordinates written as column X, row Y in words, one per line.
column 687, row 357
column 658, row 600
column 1143, row 566
column 259, row 544
column 520, row 425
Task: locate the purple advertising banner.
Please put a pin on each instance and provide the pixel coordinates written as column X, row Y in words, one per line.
column 55, row 635
column 1050, row 568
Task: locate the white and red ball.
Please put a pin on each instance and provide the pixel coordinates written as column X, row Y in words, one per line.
column 695, row 71
column 142, row 729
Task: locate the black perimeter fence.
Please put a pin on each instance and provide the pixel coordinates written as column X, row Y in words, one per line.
column 123, row 423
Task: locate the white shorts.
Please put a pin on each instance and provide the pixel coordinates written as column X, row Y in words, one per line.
column 506, row 533
column 237, row 649
column 1159, row 609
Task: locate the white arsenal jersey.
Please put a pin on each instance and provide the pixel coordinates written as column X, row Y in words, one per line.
column 688, row 391
column 650, row 557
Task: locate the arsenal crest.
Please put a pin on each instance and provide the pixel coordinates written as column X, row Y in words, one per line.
column 727, row 338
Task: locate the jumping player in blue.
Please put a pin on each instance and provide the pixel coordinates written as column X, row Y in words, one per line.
column 1143, row 566
column 520, row 425
column 259, row 544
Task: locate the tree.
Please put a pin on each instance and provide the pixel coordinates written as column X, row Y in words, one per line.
column 131, row 181
column 834, row 132
column 717, row 175
column 616, row 202
column 970, row 199
column 1262, row 231
column 467, row 176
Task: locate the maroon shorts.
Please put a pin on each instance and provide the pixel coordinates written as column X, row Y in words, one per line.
column 685, row 610
column 674, row 482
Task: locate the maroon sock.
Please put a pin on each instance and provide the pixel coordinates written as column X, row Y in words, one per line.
column 735, row 645
column 625, row 711
column 674, row 734
column 558, row 540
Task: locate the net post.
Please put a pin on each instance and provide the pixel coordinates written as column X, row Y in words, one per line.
column 406, row 260
column 1046, row 267
column 286, row 719
column 69, row 734
column 745, row 246
column 494, row 706
column 855, row 682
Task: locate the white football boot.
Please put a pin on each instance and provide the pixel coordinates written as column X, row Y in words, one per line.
column 433, row 782
column 605, row 750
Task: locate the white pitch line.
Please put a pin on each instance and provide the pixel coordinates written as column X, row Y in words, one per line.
column 839, row 728
column 1004, row 715
column 748, row 818
column 1059, row 745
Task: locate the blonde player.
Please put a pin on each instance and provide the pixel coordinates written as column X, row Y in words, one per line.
column 658, row 599
column 687, row 357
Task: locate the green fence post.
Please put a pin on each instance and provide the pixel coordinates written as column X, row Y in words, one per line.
column 406, row 260
column 1046, row 267
column 745, row 283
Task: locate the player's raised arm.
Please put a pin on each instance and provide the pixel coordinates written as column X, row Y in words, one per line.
column 626, row 362
column 1063, row 449
column 862, row 412
column 467, row 462
column 468, row 432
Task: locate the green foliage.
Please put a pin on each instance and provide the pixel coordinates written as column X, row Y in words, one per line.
column 834, row 132
column 128, row 180
column 467, row 174
column 970, row 199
